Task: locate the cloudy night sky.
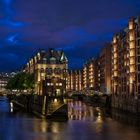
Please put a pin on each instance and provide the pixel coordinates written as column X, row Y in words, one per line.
column 79, row 27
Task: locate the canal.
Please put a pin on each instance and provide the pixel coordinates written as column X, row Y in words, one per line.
column 85, row 123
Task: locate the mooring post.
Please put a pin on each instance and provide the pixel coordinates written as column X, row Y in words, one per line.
column 44, row 106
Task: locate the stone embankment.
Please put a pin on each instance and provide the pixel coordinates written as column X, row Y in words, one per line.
column 126, row 103
column 41, row 105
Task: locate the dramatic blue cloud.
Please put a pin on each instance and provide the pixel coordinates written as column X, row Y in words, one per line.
column 80, row 27
column 11, row 24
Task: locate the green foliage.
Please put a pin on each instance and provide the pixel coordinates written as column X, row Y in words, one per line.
column 21, row 81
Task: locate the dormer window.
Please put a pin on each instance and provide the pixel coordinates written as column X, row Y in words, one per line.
column 44, row 60
column 53, row 60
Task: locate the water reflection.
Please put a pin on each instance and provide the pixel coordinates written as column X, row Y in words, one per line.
column 80, row 111
column 99, row 121
column 4, row 105
column 85, row 123
column 126, row 118
column 99, row 118
column 11, row 107
column 44, row 126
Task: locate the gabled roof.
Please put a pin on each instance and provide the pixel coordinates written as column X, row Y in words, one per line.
column 53, row 55
column 63, row 57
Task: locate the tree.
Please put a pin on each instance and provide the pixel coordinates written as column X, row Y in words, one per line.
column 21, row 81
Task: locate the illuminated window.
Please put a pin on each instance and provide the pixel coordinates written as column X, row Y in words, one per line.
column 115, row 55
column 48, row 84
column 115, row 73
column 131, row 37
column 131, row 25
column 132, row 53
column 115, row 49
column 114, row 39
column 132, row 69
column 132, row 60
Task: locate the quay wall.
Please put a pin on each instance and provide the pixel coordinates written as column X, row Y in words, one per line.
column 40, row 105
column 126, row 103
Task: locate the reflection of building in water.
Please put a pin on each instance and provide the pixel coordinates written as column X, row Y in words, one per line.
column 99, row 120
column 43, row 126
column 99, row 117
column 79, row 111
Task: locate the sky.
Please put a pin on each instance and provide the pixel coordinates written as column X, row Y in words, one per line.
column 79, row 27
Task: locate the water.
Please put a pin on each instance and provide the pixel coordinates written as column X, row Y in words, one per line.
column 85, row 123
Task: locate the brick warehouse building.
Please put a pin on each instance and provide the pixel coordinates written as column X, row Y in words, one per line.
column 126, row 59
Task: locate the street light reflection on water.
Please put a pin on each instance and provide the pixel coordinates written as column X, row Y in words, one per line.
column 99, row 121
column 85, row 122
column 11, row 106
column 80, row 111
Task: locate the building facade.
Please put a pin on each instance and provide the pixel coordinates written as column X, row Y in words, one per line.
column 97, row 72
column 89, row 74
column 75, row 80
column 126, row 59
column 103, row 70
column 50, row 69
